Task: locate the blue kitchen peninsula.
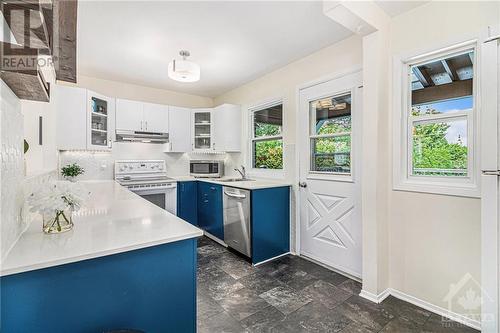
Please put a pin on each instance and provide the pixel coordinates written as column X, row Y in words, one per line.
column 126, row 264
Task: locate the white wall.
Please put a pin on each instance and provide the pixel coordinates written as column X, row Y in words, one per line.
column 435, row 239
column 283, row 83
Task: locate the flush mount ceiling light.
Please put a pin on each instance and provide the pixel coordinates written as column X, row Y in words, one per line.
column 183, row 70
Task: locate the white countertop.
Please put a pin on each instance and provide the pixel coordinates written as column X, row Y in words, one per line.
column 112, row 220
column 255, row 184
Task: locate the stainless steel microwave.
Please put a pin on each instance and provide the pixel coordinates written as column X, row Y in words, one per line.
column 206, row 169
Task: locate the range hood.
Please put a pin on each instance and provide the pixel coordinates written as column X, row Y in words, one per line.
column 141, row 136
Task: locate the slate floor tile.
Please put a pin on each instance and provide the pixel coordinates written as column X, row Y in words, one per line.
column 358, row 328
column 365, row 312
column 242, row 303
column 285, row 299
column 326, row 293
column 296, row 279
column 313, row 317
column 354, row 287
column 222, row 285
column 263, row 321
column 207, row 307
column 402, row 325
column 404, row 309
column 234, row 266
column 259, row 282
column 220, row 323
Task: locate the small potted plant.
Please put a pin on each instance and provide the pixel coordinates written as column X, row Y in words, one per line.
column 71, row 171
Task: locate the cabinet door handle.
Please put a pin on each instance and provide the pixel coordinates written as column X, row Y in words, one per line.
column 146, row 125
column 141, row 124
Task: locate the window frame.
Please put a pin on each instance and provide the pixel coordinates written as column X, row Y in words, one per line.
column 273, row 173
column 403, row 122
column 342, row 175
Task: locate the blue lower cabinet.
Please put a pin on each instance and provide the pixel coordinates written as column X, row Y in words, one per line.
column 270, row 214
column 210, row 216
column 151, row 289
column 187, row 201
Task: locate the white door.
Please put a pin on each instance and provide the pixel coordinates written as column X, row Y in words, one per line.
column 129, row 115
column 330, row 199
column 490, row 196
column 179, row 132
column 155, row 117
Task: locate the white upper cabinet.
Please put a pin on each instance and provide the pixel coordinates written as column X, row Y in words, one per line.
column 71, row 117
column 155, row 117
column 226, row 120
column 100, row 121
column 129, row 115
column 139, row 116
column 202, row 130
column 179, row 132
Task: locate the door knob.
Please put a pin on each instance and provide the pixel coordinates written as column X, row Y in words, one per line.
column 303, row 184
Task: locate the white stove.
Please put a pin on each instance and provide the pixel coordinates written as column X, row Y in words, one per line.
column 148, row 179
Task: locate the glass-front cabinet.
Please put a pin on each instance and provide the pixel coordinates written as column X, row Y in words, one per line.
column 202, row 129
column 99, row 127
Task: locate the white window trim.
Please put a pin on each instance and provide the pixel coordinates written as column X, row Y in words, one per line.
column 257, row 172
column 466, row 187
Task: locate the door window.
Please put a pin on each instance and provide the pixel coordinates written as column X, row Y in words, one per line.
column 330, row 134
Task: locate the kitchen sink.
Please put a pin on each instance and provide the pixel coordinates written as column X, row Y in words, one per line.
column 228, row 180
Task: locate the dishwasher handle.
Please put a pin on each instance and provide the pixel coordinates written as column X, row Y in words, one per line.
column 235, row 195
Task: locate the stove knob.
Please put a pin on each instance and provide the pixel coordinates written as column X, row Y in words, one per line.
column 160, row 167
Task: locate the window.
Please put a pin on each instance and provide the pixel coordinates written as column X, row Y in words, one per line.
column 439, row 124
column 330, row 134
column 267, row 139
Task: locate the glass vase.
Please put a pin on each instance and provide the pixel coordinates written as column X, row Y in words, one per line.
column 59, row 222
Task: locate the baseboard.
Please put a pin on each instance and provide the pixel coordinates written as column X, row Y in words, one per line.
column 271, row 259
column 436, row 309
column 375, row 298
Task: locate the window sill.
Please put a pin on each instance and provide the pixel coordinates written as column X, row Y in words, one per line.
column 457, row 190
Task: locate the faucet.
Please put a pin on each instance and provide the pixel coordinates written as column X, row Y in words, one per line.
column 242, row 172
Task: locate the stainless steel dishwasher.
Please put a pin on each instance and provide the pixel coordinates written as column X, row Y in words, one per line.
column 236, row 203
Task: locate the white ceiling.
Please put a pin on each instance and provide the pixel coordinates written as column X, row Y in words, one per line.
column 394, row 8
column 234, row 42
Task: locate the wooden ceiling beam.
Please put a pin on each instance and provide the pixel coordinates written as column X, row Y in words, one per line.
column 455, row 89
column 423, row 76
column 450, row 69
column 64, row 51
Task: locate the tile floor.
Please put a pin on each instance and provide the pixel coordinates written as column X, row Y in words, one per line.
column 291, row 294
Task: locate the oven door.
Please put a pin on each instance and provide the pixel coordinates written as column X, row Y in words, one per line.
column 165, row 198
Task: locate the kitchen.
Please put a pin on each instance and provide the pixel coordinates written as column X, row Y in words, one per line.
column 210, row 185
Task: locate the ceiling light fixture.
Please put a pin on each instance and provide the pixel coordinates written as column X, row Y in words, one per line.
column 183, row 70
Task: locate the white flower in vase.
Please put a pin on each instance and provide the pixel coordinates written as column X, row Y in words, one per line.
column 56, row 202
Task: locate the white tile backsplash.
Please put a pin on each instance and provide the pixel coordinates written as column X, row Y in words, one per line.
column 100, row 165
column 15, row 218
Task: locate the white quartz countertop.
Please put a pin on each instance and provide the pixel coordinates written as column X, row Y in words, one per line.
column 254, row 184
column 112, row 220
